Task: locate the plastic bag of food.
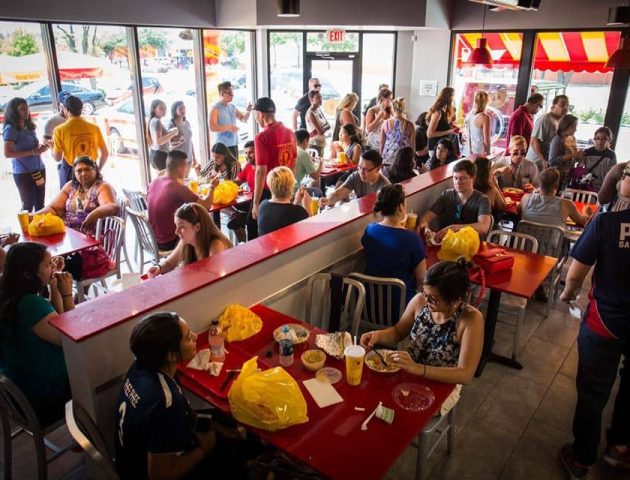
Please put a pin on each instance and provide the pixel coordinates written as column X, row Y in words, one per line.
column 225, row 192
column 269, row 400
column 463, row 243
column 239, row 322
column 46, row 224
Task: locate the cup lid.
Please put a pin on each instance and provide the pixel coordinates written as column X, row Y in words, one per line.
column 354, row 351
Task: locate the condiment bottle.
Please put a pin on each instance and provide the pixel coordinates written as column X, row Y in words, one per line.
column 216, row 342
column 286, row 348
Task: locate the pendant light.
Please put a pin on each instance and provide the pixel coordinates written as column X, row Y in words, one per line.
column 481, row 54
column 621, row 57
column 288, row 8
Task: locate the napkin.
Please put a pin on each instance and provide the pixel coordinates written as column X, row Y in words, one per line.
column 202, row 362
column 323, row 393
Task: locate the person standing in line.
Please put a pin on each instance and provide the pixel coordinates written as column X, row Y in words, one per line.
column 563, row 151
column 159, row 138
column 521, row 121
column 344, row 113
column 396, row 133
column 603, row 340
column 275, row 147
column 600, row 158
column 23, row 148
column 55, row 120
column 545, row 129
column 223, row 118
column 478, row 125
column 183, row 140
column 379, row 113
column 440, row 117
column 316, row 123
column 373, row 102
column 76, row 137
column 303, row 104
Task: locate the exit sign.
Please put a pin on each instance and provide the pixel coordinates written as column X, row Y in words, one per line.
column 336, row 35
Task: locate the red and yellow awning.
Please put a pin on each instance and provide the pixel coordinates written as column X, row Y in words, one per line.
column 565, row 51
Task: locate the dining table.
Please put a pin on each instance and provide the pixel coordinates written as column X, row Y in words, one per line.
column 529, row 272
column 61, row 244
column 332, row 170
column 332, row 441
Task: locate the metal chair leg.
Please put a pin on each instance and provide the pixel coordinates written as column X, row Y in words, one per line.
column 8, row 453
column 450, row 436
column 42, row 464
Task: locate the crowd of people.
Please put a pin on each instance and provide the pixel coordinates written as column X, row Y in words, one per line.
column 282, row 170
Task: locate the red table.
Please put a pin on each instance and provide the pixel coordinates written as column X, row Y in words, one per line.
column 331, row 442
column 242, row 198
column 528, row 273
column 331, row 173
column 62, row 243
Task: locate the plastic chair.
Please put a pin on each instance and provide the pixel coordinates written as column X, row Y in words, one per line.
column 380, row 311
column 146, row 238
column 318, row 288
column 442, row 426
column 550, row 242
column 110, row 233
column 122, row 213
column 582, row 196
column 511, row 304
column 16, row 409
column 87, row 435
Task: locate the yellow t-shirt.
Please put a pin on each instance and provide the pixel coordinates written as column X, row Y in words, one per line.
column 77, row 137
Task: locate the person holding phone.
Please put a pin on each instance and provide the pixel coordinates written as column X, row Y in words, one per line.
column 159, row 137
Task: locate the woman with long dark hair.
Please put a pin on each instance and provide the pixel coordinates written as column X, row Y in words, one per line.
column 485, row 182
column 440, row 117
column 563, row 151
column 22, row 147
column 199, row 238
column 403, row 166
column 223, row 165
column 349, row 142
column 32, row 293
column 444, row 153
column 159, row 138
column 183, row 140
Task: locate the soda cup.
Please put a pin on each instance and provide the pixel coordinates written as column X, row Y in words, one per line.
column 412, row 219
column 24, row 220
column 193, row 185
column 314, row 205
column 354, row 363
column 342, row 157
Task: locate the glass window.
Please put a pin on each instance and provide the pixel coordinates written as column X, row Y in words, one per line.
column 166, row 63
column 573, row 63
column 23, row 74
column 499, row 80
column 377, row 64
column 93, row 65
column 318, row 42
column 228, row 57
column 286, row 72
column 622, row 147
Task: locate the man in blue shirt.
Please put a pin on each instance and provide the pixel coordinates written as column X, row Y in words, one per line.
column 223, row 118
column 603, row 339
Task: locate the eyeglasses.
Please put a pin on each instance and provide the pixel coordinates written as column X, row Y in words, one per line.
column 600, row 138
column 317, row 85
column 366, row 170
column 461, row 179
column 429, row 298
column 458, row 212
column 519, row 152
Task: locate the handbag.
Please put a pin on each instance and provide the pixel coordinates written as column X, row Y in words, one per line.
column 581, row 178
column 494, row 260
column 95, row 262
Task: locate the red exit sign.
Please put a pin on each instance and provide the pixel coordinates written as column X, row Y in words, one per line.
column 336, row 35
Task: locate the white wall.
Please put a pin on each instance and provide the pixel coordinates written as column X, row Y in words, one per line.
column 430, row 62
column 404, row 64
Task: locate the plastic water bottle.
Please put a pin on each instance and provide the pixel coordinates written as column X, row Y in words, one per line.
column 286, row 348
column 216, row 342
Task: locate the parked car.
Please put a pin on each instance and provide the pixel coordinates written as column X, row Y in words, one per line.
column 150, row 85
column 39, row 99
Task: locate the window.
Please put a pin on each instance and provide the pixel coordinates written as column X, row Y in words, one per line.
column 23, row 74
column 573, row 63
column 228, row 57
column 93, row 66
column 378, row 64
column 499, row 80
column 286, row 72
column 622, row 147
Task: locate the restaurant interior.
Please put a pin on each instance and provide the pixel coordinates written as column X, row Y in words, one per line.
column 118, row 56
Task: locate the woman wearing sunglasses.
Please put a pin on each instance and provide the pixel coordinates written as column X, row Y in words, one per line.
column 199, row 238
column 445, row 333
column 515, row 171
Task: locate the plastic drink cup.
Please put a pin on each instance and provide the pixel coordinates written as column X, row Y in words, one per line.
column 24, row 220
column 194, row 186
column 412, row 219
column 314, row 205
column 342, row 157
column 354, row 363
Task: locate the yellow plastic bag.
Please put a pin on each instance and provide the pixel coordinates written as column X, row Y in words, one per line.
column 269, row 400
column 46, row 224
column 225, row 192
column 239, row 322
column 463, row 243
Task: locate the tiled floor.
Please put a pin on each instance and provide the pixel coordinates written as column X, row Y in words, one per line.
column 509, row 425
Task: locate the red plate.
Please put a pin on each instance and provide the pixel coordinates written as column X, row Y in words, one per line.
column 413, row 397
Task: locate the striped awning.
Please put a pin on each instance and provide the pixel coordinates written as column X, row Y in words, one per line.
column 565, row 51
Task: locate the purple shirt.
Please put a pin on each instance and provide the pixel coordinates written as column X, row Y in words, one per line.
column 164, row 196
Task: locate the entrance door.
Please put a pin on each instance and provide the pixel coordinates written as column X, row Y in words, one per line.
column 338, row 76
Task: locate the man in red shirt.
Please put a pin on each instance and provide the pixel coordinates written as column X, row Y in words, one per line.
column 275, row 146
column 522, row 120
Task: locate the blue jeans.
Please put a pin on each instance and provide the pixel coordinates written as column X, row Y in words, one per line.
column 65, row 173
column 598, row 364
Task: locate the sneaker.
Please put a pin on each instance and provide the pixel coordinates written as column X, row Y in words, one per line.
column 573, row 469
column 614, row 458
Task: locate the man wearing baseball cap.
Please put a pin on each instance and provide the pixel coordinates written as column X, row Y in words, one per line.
column 76, row 137
column 275, row 146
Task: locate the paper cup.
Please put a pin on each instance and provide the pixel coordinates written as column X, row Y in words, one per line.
column 354, row 363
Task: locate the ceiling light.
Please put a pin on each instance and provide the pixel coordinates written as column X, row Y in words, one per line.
column 288, row 8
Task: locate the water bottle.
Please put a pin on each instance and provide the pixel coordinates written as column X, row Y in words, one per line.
column 216, row 342
column 286, row 348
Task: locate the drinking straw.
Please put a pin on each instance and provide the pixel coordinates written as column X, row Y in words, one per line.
column 355, row 340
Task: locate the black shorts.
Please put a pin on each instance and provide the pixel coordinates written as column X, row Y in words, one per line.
column 158, row 159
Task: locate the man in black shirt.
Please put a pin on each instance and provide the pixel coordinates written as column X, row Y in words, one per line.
column 304, row 103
